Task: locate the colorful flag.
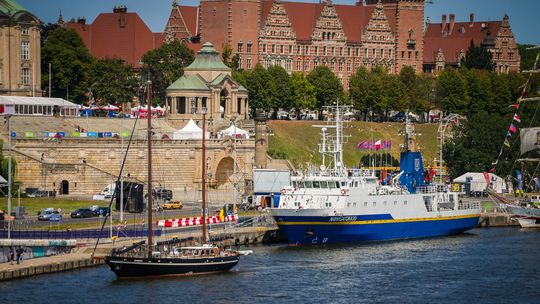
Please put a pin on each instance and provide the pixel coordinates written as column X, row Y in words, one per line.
column 377, row 145
column 512, row 128
column 506, row 142
column 518, row 175
column 516, row 106
column 516, row 118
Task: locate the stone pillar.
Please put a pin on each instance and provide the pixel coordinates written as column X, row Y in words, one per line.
column 261, row 140
column 199, row 104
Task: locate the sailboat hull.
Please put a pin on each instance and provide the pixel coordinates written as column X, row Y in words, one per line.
column 128, row 267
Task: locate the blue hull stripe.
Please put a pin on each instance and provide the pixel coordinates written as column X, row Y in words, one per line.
column 305, row 233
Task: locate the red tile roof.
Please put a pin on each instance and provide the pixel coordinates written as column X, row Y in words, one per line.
column 459, row 39
column 190, row 14
column 303, row 17
column 105, row 37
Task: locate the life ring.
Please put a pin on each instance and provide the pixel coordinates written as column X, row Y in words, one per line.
column 343, row 191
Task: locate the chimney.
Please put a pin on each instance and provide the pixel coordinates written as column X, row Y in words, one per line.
column 471, row 18
column 452, row 19
column 443, row 25
column 122, row 9
column 81, row 20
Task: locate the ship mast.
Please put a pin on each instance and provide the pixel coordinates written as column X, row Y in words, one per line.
column 149, row 133
column 203, row 176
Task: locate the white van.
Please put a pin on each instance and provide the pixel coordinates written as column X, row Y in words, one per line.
column 108, row 191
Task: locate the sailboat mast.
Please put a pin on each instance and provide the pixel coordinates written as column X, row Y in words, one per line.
column 149, row 133
column 203, row 177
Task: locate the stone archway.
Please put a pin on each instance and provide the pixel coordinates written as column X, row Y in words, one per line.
column 224, row 173
column 64, row 187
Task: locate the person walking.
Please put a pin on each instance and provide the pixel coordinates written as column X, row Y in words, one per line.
column 18, row 255
column 11, row 255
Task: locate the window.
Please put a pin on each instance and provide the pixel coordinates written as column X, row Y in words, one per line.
column 316, row 184
column 348, row 66
column 505, row 43
column 416, row 55
column 281, row 49
column 340, row 66
column 365, row 204
column 340, row 51
column 404, row 202
column 239, row 47
column 510, row 56
column 298, row 50
column 25, row 76
column 324, row 50
column 333, row 51
column 365, row 53
column 307, row 65
column 402, row 54
column 390, row 53
column 349, row 52
column 273, row 48
column 25, row 50
column 299, row 65
column 409, row 54
column 306, row 51
column 374, row 53
column 357, row 52
column 316, row 50
column 382, row 53
column 249, row 47
column 248, row 63
column 264, row 48
column 240, row 63
column 290, row 49
column 24, row 30
column 288, row 65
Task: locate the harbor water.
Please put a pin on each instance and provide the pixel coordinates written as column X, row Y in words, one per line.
column 494, row 265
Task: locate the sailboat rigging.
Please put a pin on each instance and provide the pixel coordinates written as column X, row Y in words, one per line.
column 157, row 260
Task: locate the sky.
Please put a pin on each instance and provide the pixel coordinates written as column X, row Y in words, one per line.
column 524, row 19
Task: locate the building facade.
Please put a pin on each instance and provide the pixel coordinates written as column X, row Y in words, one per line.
column 300, row 36
column 20, row 51
column 446, row 43
column 207, row 84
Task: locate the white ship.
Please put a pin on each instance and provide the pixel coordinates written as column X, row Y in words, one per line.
column 337, row 204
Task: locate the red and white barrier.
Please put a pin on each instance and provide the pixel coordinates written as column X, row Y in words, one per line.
column 194, row 221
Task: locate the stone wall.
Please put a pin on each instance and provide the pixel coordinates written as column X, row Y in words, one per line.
column 89, row 165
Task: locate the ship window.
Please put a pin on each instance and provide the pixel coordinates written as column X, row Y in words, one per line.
column 374, row 203
column 356, row 184
column 404, row 202
column 365, row 204
column 395, row 202
column 309, row 184
column 343, row 184
column 324, row 184
column 354, row 204
column 384, row 203
column 316, row 184
column 332, row 185
column 348, row 204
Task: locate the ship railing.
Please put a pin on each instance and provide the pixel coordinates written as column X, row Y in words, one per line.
column 468, row 205
column 432, row 189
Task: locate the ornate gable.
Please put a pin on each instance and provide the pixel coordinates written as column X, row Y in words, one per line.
column 176, row 27
column 328, row 26
column 277, row 24
column 378, row 29
column 505, row 35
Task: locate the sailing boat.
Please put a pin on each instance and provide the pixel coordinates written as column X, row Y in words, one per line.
column 149, row 259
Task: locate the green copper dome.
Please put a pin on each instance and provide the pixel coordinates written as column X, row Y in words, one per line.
column 207, row 59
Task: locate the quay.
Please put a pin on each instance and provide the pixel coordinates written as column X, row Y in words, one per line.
column 81, row 255
column 496, row 219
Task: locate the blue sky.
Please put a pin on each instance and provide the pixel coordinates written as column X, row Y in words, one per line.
column 524, row 18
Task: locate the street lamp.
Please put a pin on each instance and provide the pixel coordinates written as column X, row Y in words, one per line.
column 203, row 175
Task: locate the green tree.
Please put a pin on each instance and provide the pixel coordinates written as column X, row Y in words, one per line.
column 303, row 93
column 230, row 60
column 358, row 90
column 527, row 57
column 478, row 57
column 261, row 89
column 70, row 62
column 328, row 88
column 475, row 144
column 478, row 89
column 166, row 64
column 45, row 30
column 451, row 92
column 282, row 96
column 113, row 81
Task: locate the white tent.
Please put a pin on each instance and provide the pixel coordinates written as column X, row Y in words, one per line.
column 230, row 131
column 190, row 131
column 478, row 181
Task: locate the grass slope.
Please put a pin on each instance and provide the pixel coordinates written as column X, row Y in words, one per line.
column 299, row 140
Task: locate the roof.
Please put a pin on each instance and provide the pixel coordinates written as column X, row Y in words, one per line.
column 13, row 9
column 452, row 42
column 207, row 59
column 188, row 82
column 190, row 14
column 108, row 37
column 476, row 176
column 44, row 101
column 219, row 79
column 303, row 17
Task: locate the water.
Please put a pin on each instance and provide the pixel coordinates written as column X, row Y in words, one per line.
column 498, row 265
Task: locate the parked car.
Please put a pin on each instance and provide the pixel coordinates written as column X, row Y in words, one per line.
column 45, row 214
column 172, row 205
column 82, row 212
column 102, row 211
column 164, row 194
column 55, row 217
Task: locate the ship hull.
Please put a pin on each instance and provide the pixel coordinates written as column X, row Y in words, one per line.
column 324, row 230
column 526, row 216
column 127, row 267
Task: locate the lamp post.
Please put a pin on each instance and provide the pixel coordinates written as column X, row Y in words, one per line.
column 9, row 176
column 203, row 176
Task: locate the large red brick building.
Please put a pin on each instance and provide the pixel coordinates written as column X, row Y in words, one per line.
column 446, row 43
column 299, row 36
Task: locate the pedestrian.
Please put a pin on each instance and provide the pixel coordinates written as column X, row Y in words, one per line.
column 18, row 255
column 11, row 255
